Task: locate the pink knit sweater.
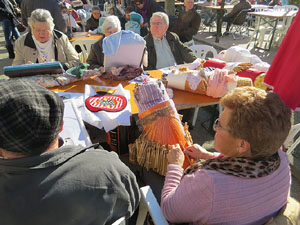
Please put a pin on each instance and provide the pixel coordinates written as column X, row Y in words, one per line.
column 211, row 197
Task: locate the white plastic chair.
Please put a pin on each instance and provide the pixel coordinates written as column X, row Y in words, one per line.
column 295, row 129
column 149, row 204
column 119, row 221
column 282, row 28
column 85, row 46
column 290, row 7
column 239, row 31
column 201, row 52
column 189, row 43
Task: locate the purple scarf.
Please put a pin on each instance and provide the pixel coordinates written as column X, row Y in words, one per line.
column 144, row 11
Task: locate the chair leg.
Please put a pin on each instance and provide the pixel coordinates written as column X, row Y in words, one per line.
column 195, row 116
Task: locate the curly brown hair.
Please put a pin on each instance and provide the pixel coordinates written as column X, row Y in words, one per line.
column 259, row 117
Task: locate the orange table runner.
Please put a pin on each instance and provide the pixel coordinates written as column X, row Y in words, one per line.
column 77, row 36
column 182, row 99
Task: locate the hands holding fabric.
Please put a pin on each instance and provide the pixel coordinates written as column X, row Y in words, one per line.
column 195, row 151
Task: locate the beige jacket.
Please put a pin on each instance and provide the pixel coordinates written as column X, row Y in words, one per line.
column 25, row 50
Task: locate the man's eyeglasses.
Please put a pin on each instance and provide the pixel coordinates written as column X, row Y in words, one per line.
column 218, row 126
column 156, row 23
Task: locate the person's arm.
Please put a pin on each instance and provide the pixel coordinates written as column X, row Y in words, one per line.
column 197, row 152
column 24, row 13
column 72, row 58
column 126, row 191
column 57, row 17
column 188, row 198
column 87, row 26
column 92, row 58
column 186, row 53
column 19, row 53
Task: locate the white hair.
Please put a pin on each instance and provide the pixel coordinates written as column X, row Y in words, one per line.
column 111, row 22
column 162, row 15
column 41, row 15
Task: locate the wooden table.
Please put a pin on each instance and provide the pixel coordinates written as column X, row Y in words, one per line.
column 182, row 99
column 220, row 11
column 217, row 7
column 269, row 18
column 77, row 36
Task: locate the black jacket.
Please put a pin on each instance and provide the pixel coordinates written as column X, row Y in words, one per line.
column 96, row 56
column 182, row 54
column 7, row 9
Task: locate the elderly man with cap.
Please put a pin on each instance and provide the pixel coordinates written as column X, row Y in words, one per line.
column 164, row 47
column 44, row 183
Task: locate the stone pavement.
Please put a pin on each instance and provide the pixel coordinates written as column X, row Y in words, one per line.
column 200, row 133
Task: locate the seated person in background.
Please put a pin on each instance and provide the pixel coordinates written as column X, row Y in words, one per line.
column 230, row 17
column 146, row 8
column 275, row 2
column 164, row 47
column 116, row 12
column 69, row 19
column 206, row 14
column 110, row 25
column 43, row 181
column 188, row 22
column 134, row 20
column 262, row 2
column 44, row 44
column 130, row 10
column 93, row 22
column 249, row 182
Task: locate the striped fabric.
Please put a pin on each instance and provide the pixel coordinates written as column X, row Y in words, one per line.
column 150, row 94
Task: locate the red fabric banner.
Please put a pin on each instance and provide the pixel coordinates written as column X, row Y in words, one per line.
column 284, row 73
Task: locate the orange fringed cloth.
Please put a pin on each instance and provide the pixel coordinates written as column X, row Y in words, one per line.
column 160, row 124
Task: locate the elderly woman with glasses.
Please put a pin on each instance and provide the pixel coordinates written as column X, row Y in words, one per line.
column 248, row 181
column 44, row 44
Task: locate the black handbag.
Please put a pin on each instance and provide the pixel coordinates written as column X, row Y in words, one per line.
column 20, row 26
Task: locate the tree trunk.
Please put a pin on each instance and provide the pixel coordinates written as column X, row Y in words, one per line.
column 170, row 7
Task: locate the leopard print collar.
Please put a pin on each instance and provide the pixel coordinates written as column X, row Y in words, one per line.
column 239, row 167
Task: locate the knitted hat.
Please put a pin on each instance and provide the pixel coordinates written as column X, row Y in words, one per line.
column 30, row 117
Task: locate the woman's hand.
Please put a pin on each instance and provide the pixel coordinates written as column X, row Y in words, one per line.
column 175, row 155
column 197, row 152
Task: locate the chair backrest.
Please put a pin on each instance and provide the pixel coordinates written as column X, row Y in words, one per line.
column 289, row 142
column 189, row 43
column 119, row 221
column 278, row 8
column 260, row 8
column 204, row 51
column 241, row 17
column 149, row 204
column 290, row 7
column 85, row 46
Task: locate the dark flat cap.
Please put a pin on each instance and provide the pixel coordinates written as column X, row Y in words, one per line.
column 30, row 117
